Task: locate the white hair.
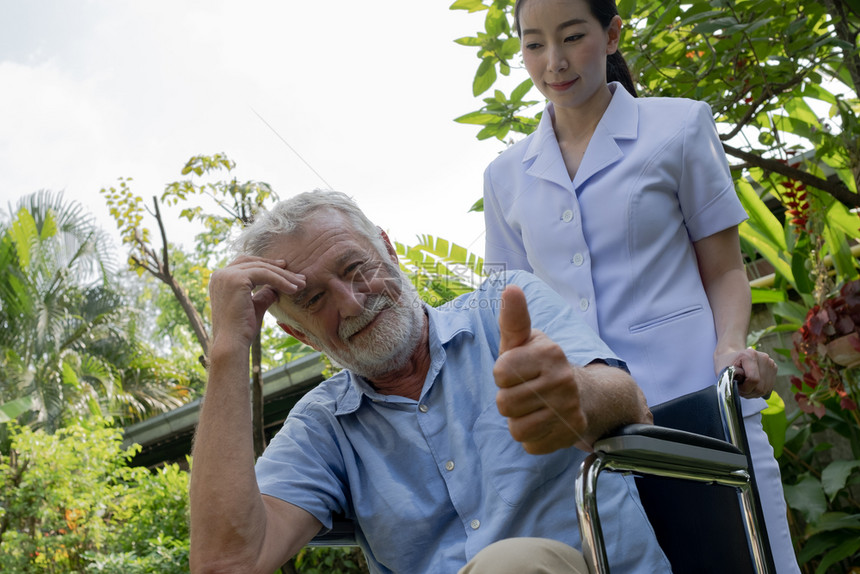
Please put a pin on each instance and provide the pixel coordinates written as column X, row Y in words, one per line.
column 290, row 215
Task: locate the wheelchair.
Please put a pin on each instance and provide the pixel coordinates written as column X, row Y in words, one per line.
column 693, row 473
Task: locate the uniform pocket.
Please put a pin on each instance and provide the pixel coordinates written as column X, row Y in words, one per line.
column 667, row 318
column 513, row 472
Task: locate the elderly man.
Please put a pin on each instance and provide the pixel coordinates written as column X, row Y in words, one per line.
column 453, row 430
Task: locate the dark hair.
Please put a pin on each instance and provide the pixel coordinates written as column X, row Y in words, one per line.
column 604, row 11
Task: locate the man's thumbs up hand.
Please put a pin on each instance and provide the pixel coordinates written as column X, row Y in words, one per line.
column 515, row 323
column 538, row 390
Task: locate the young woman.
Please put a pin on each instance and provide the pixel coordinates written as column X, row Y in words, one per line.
column 627, row 208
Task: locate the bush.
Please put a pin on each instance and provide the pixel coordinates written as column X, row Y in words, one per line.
column 71, row 503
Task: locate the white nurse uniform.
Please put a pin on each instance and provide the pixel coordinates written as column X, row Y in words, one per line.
column 617, row 243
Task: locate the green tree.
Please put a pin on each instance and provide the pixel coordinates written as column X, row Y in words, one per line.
column 128, row 211
column 68, row 343
column 761, row 64
column 187, row 275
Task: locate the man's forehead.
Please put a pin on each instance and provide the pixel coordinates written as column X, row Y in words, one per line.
column 323, row 249
column 319, row 232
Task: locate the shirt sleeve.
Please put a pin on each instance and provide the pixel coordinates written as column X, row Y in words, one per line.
column 503, row 248
column 300, row 466
column 706, row 193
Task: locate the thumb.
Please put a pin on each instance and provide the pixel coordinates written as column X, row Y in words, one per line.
column 515, row 324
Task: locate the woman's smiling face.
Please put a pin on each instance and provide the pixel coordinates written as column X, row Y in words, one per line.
column 565, row 48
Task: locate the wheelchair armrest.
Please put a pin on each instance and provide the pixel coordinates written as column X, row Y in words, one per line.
column 342, row 533
column 670, row 448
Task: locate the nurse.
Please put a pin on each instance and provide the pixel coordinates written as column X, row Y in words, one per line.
column 626, row 207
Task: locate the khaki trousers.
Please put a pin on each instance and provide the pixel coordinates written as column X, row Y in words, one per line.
column 527, row 556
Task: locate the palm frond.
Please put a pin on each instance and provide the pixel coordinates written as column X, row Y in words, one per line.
column 439, row 269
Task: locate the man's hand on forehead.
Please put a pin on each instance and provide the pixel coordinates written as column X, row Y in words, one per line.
column 241, row 292
column 284, row 280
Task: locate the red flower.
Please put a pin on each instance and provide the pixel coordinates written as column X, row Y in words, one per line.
column 808, row 406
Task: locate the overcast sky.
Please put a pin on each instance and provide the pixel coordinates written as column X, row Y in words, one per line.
column 365, row 92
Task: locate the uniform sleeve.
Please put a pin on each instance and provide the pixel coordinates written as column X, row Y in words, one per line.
column 503, row 248
column 553, row 316
column 706, row 193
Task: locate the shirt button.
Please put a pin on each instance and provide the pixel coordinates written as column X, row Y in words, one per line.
column 567, row 216
column 475, row 524
column 423, row 408
column 578, row 259
column 449, row 465
column 583, row 304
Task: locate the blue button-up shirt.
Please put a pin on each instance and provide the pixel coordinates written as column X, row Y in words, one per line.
column 431, row 482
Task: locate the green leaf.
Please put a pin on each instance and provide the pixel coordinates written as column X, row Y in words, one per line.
column 490, row 131
column 837, row 245
column 49, row 226
column 791, row 310
column 831, row 521
column 69, row 376
column 834, row 477
column 11, row 410
column 845, row 550
column 816, row 545
column 846, row 221
column 510, row 47
column 496, row 22
column 626, row 9
column 485, row 77
column 469, row 41
column 520, row 91
column 807, row 497
column 24, row 234
column 774, row 422
column 470, row 5
column 802, row 280
column 760, row 295
column 761, row 215
column 766, row 249
column 817, row 92
column 713, row 25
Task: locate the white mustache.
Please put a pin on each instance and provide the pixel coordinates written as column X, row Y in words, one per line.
column 375, row 304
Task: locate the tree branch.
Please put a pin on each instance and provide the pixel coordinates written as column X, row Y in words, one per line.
column 165, row 258
column 841, row 25
column 837, row 189
column 162, row 273
column 768, row 92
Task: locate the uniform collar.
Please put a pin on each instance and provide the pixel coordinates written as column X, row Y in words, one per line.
column 620, row 121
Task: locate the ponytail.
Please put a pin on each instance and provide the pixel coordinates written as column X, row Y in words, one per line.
column 617, row 71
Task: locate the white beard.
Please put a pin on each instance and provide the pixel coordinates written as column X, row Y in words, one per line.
column 389, row 344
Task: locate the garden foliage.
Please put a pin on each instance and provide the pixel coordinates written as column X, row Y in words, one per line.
column 70, row 503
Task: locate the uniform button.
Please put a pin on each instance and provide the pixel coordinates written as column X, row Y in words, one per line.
column 475, row 524
column 583, row 304
column 423, row 408
column 567, row 216
column 577, row 259
column 449, row 465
